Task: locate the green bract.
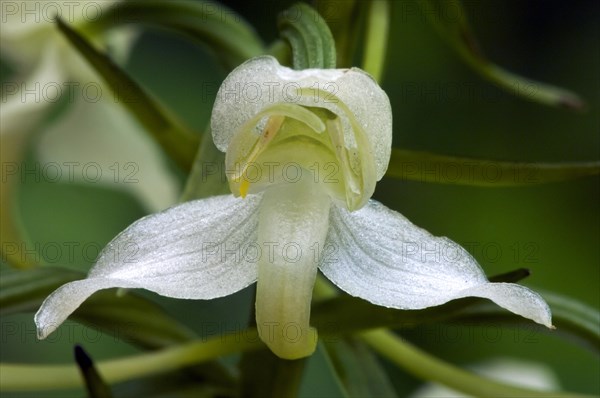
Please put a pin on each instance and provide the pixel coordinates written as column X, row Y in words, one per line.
column 281, row 131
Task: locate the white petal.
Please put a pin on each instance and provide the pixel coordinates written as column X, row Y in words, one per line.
column 385, row 259
column 293, row 224
column 261, row 82
column 191, row 251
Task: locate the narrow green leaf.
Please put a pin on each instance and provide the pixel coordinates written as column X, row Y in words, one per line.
column 358, row 369
column 95, row 386
column 347, row 315
column 130, row 317
column 309, row 36
column 511, row 276
column 231, row 38
column 457, row 31
column 343, row 314
column 378, row 24
column 179, row 143
column 442, row 169
column 345, row 19
column 573, row 320
column 25, row 290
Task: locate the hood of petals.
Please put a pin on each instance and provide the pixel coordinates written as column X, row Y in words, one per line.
column 261, row 82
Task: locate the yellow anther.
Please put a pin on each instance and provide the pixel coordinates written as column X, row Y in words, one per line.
column 244, row 186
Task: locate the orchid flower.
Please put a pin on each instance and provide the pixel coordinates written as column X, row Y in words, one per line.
column 48, row 67
column 304, row 150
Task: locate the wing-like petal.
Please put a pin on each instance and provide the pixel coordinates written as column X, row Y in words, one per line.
column 192, row 251
column 377, row 254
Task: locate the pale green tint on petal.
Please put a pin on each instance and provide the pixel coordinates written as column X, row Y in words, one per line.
column 357, row 165
column 515, row 298
column 294, row 219
column 261, row 82
column 383, row 258
column 249, row 142
column 291, row 146
column 192, row 251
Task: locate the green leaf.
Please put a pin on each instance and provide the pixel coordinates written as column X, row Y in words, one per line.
column 457, row 31
column 25, row 290
column 128, row 317
column 95, row 386
column 378, row 24
column 231, row 38
column 573, row 320
column 139, row 321
column 132, row 318
column 345, row 19
column 442, row 169
column 358, row 369
column 344, row 314
column 511, row 276
column 309, row 36
column 347, row 315
column 179, row 143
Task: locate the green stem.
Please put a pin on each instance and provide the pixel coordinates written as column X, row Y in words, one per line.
column 427, row 367
column 19, row 377
column 376, row 38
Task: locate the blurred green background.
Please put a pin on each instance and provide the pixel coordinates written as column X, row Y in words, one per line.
column 439, row 105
